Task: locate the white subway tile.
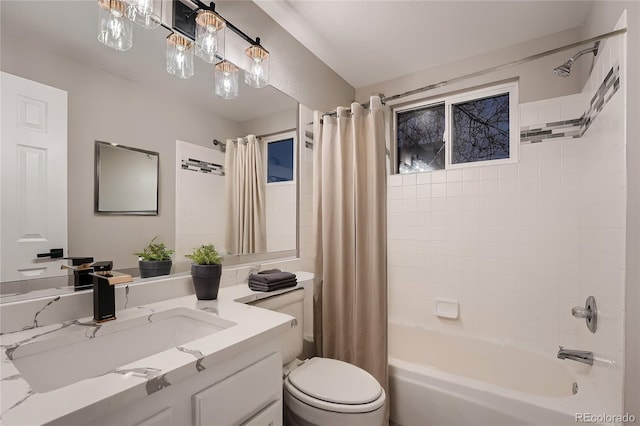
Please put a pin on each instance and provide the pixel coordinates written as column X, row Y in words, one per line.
column 550, row 111
column 489, row 172
column 529, row 113
column 438, row 176
column 528, row 185
column 454, row 189
column 408, row 179
column 395, row 180
column 439, row 205
column 508, row 171
column 454, row 175
column 423, row 178
column 471, row 173
column 423, row 205
column 409, row 205
column 409, row 192
column 489, row 187
column 508, row 187
column 438, row 190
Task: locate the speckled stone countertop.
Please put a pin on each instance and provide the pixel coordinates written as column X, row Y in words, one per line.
column 21, row 405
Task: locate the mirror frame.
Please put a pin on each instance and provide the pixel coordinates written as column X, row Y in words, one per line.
column 96, row 190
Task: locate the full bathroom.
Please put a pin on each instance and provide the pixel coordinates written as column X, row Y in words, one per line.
column 416, row 213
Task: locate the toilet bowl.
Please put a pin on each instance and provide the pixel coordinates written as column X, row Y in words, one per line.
column 322, row 391
column 325, row 391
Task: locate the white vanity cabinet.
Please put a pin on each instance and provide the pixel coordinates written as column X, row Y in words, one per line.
column 244, row 389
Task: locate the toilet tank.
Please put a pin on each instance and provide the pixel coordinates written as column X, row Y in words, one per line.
column 290, row 303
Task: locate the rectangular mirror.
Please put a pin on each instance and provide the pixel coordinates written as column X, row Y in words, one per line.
column 160, row 110
column 126, row 180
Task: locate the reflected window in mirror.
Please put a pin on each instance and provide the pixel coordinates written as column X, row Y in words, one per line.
column 280, row 159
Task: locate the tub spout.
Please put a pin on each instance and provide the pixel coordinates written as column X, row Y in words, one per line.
column 584, row 357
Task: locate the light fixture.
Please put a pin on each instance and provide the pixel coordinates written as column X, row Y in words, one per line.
column 179, row 56
column 226, row 80
column 114, row 29
column 195, row 28
column 142, row 13
column 256, row 72
column 210, row 36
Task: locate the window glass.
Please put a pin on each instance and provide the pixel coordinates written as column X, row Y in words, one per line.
column 420, row 144
column 480, row 130
column 280, row 161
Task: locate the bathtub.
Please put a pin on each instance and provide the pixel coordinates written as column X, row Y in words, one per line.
column 446, row 380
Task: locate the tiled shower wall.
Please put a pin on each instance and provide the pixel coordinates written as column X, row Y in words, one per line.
column 200, row 210
column 518, row 245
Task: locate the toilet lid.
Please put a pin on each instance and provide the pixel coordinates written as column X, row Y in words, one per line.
column 335, row 381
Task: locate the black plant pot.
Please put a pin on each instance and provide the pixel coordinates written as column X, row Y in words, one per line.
column 206, row 281
column 154, row 268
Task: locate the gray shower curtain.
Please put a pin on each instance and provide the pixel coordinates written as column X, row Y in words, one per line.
column 350, row 288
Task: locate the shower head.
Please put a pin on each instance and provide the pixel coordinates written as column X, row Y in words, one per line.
column 565, row 69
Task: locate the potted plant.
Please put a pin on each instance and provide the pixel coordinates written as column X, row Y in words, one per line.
column 154, row 260
column 205, row 271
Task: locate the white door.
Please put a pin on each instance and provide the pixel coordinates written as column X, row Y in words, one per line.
column 33, row 182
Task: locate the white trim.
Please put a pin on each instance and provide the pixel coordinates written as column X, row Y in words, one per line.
column 510, row 88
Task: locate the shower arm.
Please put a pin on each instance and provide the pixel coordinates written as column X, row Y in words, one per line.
column 593, row 49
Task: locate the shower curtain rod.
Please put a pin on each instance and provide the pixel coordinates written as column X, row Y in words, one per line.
column 223, row 145
column 443, row 83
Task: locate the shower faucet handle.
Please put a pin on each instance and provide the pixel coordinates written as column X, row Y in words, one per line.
column 589, row 313
column 580, row 312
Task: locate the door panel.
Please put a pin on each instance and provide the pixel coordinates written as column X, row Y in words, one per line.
column 33, row 183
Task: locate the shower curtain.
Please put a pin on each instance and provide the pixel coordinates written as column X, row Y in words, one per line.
column 245, row 180
column 350, row 286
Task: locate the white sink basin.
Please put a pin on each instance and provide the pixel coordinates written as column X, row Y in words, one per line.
column 66, row 358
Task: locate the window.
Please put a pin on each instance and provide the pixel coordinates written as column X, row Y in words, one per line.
column 481, row 127
column 420, row 134
column 280, row 162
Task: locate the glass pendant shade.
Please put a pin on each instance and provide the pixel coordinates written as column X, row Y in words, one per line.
column 226, row 80
column 115, row 30
column 210, row 36
column 256, row 71
column 179, row 56
column 142, row 13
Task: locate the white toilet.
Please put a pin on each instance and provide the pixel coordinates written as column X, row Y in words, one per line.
column 322, row 391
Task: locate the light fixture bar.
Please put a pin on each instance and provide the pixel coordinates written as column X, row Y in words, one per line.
column 184, row 21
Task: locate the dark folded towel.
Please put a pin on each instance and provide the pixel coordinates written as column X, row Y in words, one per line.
column 275, row 283
column 272, row 282
column 269, row 271
column 272, row 287
column 271, row 278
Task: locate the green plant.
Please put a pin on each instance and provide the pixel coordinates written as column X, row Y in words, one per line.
column 155, row 251
column 205, row 255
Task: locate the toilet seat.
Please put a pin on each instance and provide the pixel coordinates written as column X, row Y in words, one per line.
column 332, row 385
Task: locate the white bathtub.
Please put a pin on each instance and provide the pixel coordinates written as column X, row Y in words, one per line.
column 445, row 380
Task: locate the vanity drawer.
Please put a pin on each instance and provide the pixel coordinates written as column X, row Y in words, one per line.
column 270, row 416
column 240, row 396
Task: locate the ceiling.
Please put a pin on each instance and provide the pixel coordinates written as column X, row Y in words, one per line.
column 70, row 28
column 368, row 42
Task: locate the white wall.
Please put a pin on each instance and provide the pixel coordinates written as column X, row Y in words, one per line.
column 602, row 17
column 519, row 245
column 305, row 159
column 103, row 106
column 294, row 70
column 277, row 122
column 537, row 80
